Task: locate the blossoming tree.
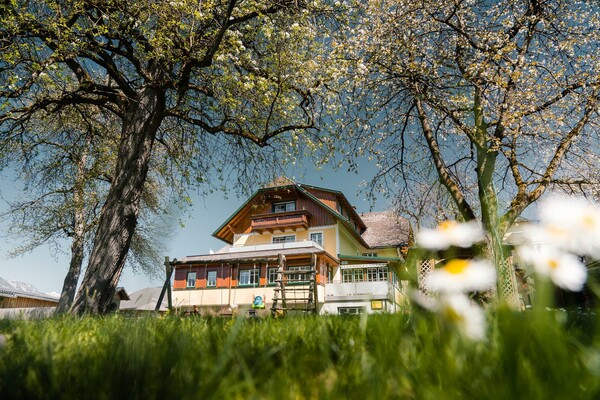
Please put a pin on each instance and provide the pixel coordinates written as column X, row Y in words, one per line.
column 497, row 101
column 172, row 73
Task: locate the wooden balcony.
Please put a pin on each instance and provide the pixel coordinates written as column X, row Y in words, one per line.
column 280, row 221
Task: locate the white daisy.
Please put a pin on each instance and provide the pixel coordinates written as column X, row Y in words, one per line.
column 459, row 275
column 469, row 318
column 564, row 269
column 458, row 310
column 450, row 233
column 572, row 224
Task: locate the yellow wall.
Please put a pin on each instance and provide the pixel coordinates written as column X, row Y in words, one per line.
column 348, row 245
column 386, row 252
column 329, row 238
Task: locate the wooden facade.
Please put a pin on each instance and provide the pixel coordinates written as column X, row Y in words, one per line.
column 25, row 302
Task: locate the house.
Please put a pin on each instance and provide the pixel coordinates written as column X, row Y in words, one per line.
column 297, row 248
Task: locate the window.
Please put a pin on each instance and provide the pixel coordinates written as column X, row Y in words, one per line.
column 317, row 237
column 353, row 275
column 284, row 206
column 298, row 277
column 272, row 276
column 329, row 273
column 374, row 254
column 351, row 310
column 191, row 279
column 284, row 239
column 377, row 274
column 248, row 277
column 211, row 279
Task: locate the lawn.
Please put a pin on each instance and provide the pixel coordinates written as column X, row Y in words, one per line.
column 528, row 355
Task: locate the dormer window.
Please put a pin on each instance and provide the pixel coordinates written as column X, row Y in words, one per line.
column 284, row 206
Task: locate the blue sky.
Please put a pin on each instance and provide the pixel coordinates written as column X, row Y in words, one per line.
column 46, row 270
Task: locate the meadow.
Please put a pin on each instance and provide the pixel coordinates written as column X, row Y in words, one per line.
column 526, row 355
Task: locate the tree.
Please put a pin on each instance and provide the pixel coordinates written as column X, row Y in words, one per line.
column 173, row 73
column 65, row 169
column 500, row 98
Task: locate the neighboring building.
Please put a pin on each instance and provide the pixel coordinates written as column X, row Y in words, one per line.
column 298, row 247
column 23, row 295
column 143, row 301
column 120, row 295
column 22, row 300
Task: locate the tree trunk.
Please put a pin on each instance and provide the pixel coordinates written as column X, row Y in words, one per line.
column 119, row 214
column 70, row 283
column 79, row 230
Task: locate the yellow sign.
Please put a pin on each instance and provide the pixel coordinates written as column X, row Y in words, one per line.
column 376, row 305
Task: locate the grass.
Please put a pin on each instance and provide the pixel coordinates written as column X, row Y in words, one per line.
column 527, row 355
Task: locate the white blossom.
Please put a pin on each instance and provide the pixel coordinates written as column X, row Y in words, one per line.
column 571, row 224
column 564, row 269
column 458, row 310
column 460, row 275
column 450, row 233
column 469, row 318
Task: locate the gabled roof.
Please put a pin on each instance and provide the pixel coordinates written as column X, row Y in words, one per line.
column 303, row 190
column 386, row 229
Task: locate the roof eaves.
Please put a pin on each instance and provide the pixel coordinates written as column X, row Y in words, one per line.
column 240, row 208
column 368, row 258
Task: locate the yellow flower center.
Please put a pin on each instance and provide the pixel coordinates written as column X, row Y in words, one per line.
column 447, row 225
column 555, row 230
column 589, row 221
column 456, row 266
column 552, row 263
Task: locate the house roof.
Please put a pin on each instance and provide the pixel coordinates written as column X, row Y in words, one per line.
column 144, row 300
column 121, row 293
column 302, row 189
column 19, row 289
column 249, row 256
column 385, row 229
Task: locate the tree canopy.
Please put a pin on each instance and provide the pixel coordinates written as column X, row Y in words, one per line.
column 208, row 83
column 498, row 101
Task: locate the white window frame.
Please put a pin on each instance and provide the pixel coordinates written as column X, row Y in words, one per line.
column 272, row 275
column 252, row 278
column 208, row 278
column 370, row 254
column 297, row 278
column 191, row 276
column 284, row 206
column 377, row 274
column 283, row 239
column 351, row 310
column 320, row 242
column 351, row 275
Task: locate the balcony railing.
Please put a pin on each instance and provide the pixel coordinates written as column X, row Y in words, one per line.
column 352, row 289
column 280, row 221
